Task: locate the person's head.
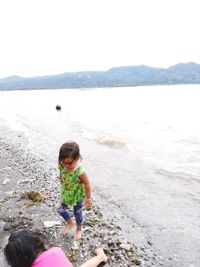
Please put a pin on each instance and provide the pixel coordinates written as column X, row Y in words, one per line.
column 23, row 248
column 69, row 154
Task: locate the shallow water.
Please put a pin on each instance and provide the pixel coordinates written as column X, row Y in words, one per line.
column 140, row 146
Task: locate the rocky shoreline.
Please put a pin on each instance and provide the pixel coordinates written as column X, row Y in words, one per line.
column 21, row 171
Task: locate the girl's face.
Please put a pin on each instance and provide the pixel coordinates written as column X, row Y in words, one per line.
column 69, row 163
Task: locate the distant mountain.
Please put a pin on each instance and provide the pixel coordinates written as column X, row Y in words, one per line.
column 183, row 73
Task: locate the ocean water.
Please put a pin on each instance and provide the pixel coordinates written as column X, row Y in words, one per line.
column 141, row 147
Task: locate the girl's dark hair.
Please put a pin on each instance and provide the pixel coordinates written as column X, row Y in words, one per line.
column 69, row 150
column 23, row 248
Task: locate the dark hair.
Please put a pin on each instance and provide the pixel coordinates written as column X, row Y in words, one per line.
column 23, row 248
column 67, row 150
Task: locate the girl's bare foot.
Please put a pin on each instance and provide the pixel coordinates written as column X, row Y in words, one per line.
column 78, row 233
column 69, row 225
column 100, row 253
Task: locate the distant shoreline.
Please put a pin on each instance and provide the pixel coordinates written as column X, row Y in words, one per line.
column 86, row 88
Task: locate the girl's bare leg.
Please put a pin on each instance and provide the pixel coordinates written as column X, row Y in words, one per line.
column 96, row 260
column 69, row 225
column 78, row 233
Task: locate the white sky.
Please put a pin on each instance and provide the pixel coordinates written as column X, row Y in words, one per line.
column 41, row 37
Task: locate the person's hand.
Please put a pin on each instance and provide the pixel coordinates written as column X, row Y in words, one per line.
column 60, row 179
column 88, row 203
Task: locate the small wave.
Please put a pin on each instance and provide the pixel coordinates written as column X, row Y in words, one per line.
column 184, row 176
column 103, row 139
column 111, row 143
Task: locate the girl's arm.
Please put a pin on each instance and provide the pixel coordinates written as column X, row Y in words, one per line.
column 84, row 178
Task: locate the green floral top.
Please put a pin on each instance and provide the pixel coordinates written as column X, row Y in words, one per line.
column 72, row 188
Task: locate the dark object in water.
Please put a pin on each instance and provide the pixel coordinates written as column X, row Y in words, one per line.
column 58, row 107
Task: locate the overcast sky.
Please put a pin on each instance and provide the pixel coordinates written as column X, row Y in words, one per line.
column 41, row 37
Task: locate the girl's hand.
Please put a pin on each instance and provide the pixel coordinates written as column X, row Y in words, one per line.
column 60, row 179
column 88, row 203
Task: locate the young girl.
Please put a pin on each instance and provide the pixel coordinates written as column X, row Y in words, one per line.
column 75, row 186
column 26, row 249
